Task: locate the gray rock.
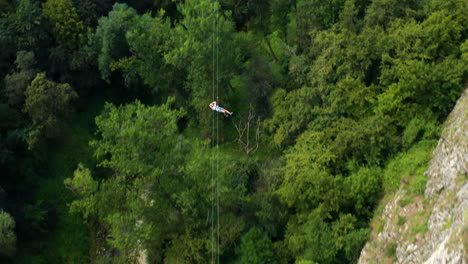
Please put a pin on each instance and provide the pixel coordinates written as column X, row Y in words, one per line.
column 446, row 196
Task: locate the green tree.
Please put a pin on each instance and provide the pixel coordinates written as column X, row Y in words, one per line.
column 279, row 16
column 305, row 262
column 139, row 144
column 24, row 28
column 255, row 248
column 204, row 37
column 354, row 242
column 36, row 216
column 308, row 179
column 48, row 104
column 7, row 234
column 147, row 61
column 310, row 238
column 291, row 113
column 17, row 82
column 160, row 187
column 365, row 188
column 5, row 6
column 109, row 40
column 136, row 131
column 310, row 16
column 421, row 79
column 85, row 187
column 383, row 12
column 67, row 27
column 87, row 11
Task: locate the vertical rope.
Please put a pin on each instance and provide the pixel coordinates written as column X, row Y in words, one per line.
column 212, row 142
column 215, row 77
column 217, row 121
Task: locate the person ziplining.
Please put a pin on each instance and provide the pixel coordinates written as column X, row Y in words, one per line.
column 218, row 108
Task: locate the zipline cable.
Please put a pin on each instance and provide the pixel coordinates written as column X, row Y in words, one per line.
column 212, row 145
column 217, row 122
column 215, row 143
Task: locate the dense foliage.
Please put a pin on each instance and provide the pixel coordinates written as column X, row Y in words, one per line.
column 109, row 152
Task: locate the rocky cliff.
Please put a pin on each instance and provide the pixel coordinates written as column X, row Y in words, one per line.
column 431, row 228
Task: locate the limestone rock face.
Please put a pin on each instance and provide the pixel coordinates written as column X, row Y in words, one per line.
column 442, row 213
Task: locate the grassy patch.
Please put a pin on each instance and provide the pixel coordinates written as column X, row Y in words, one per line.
column 417, row 184
column 404, row 201
column 407, row 164
column 391, row 251
column 461, row 179
column 377, row 224
column 421, row 229
column 401, row 220
column 448, row 223
column 420, row 222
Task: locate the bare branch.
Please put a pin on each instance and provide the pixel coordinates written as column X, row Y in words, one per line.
column 249, row 143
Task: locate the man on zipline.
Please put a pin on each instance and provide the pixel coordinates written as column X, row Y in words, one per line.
column 218, row 108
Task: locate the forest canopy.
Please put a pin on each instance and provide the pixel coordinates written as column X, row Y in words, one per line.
column 109, row 152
